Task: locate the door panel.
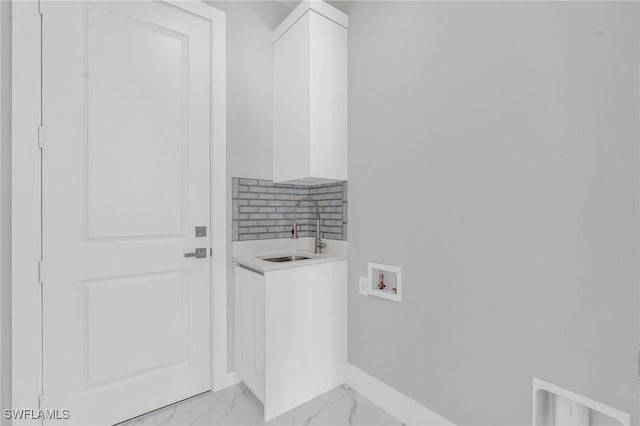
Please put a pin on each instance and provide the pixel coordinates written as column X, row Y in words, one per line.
column 155, row 340
column 145, row 94
column 126, row 178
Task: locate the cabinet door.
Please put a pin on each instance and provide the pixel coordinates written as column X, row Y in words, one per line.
column 327, row 98
column 291, row 103
column 249, row 327
column 306, row 317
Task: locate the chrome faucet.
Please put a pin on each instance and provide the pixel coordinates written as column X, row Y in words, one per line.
column 319, row 244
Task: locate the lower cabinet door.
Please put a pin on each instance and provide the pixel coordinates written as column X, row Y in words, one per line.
column 250, row 329
column 306, row 334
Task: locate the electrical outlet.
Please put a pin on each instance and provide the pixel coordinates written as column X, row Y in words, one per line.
column 363, row 286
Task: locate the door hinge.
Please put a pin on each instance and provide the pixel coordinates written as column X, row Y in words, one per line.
column 41, row 271
column 41, row 401
column 40, row 137
column 211, row 252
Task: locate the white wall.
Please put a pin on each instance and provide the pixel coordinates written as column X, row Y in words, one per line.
column 5, row 207
column 493, row 154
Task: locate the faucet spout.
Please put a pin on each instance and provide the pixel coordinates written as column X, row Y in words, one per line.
column 319, row 244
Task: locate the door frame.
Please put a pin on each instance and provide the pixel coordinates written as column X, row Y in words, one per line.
column 26, row 246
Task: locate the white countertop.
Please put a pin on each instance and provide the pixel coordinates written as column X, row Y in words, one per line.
column 250, row 253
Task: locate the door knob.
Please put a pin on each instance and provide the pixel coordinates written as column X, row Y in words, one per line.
column 200, row 253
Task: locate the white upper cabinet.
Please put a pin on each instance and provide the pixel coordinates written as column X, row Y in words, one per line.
column 310, row 95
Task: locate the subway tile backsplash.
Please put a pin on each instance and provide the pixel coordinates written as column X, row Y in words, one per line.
column 264, row 210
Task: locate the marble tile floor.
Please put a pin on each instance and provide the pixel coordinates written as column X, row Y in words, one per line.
column 236, row 406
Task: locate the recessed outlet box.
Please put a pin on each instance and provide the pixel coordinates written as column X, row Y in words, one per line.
column 362, row 289
column 385, row 281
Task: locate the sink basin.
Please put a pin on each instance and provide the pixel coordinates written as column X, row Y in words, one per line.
column 285, row 258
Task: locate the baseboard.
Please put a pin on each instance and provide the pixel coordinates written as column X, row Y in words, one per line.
column 400, row 406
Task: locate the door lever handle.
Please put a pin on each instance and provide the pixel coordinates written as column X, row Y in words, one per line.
column 200, row 253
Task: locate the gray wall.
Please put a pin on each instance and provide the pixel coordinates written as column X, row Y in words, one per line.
column 5, row 207
column 250, row 85
column 513, row 128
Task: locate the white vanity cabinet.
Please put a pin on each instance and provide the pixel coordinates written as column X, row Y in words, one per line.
column 291, row 333
column 310, row 95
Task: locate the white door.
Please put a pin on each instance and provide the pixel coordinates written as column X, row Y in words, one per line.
column 126, row 179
